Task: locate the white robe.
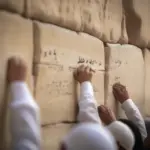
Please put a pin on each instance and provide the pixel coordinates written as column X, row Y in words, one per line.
column 133, row 114
column 25, row 116
column 88, row 109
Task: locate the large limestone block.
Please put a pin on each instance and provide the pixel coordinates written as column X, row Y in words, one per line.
column 147, row 82
column 64, row 13
column 12, row 5
column 114, row 27
column 52, row 135
column 125, row 64
column 76, row 47
column 100, row 18
column 137, row 21
column 60, row 51
column 56, row 92
column 16, row 39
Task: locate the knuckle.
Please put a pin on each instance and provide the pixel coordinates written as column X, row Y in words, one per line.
column 90, row 73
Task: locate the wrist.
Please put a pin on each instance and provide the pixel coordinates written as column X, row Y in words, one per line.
column 84, row 81
column 111, row 121
column 124, row 100
column 17, row 82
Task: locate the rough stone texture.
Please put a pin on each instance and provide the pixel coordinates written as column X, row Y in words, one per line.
column 60, row 51
column 114, row 27
column 77, row 48
column 56, row 93
column 137, row 21
column 147, row 81
column 63, row 13
column 52, row 136
column 125, row 64
column 12, row 5
column 13, row 41
column 93, row 17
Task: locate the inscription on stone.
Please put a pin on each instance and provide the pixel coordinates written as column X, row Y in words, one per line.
column 53, row 56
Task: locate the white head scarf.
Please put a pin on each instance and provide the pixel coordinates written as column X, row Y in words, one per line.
column 89, row 136
column 123, row 134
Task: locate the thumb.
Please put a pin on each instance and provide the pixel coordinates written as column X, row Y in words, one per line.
column 75, row 74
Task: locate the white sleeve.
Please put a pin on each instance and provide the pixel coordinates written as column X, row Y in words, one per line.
column 133, row 114
column 87, row 104
column 24, row 118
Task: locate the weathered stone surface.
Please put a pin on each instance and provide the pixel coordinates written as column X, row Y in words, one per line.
column 66, row 13
column 114, row 27
column 77, row 48
column 60, row 51
column 56, row 92
column 137, row 21
column 12, row 5
column 52, row 136
column 147, row 82
column 14, row 41
column 100, row 18
column 125, row 64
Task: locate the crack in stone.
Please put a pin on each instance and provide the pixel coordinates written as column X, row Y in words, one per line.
column 57, row 123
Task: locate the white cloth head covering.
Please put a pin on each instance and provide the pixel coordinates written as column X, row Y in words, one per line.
column 89, row 136
column 123, row 134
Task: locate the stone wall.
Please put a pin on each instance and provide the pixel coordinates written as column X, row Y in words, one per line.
column 56, row 36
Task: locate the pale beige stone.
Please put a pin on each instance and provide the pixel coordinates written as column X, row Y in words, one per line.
column 13, row 5
column 66, row 13
column 99, row 21
column 100, row 18
column 73, row 46
column 147, row 82
column 56, row 92
column 16, row 39
column 60, row 51
column 125, row 64
column 53, row 135
column 92, row 17
column 137, row 21
column 114, row 28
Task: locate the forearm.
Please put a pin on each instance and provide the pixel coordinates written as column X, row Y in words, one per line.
column 24, row 118
column 87, row 104
column 133, row 114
